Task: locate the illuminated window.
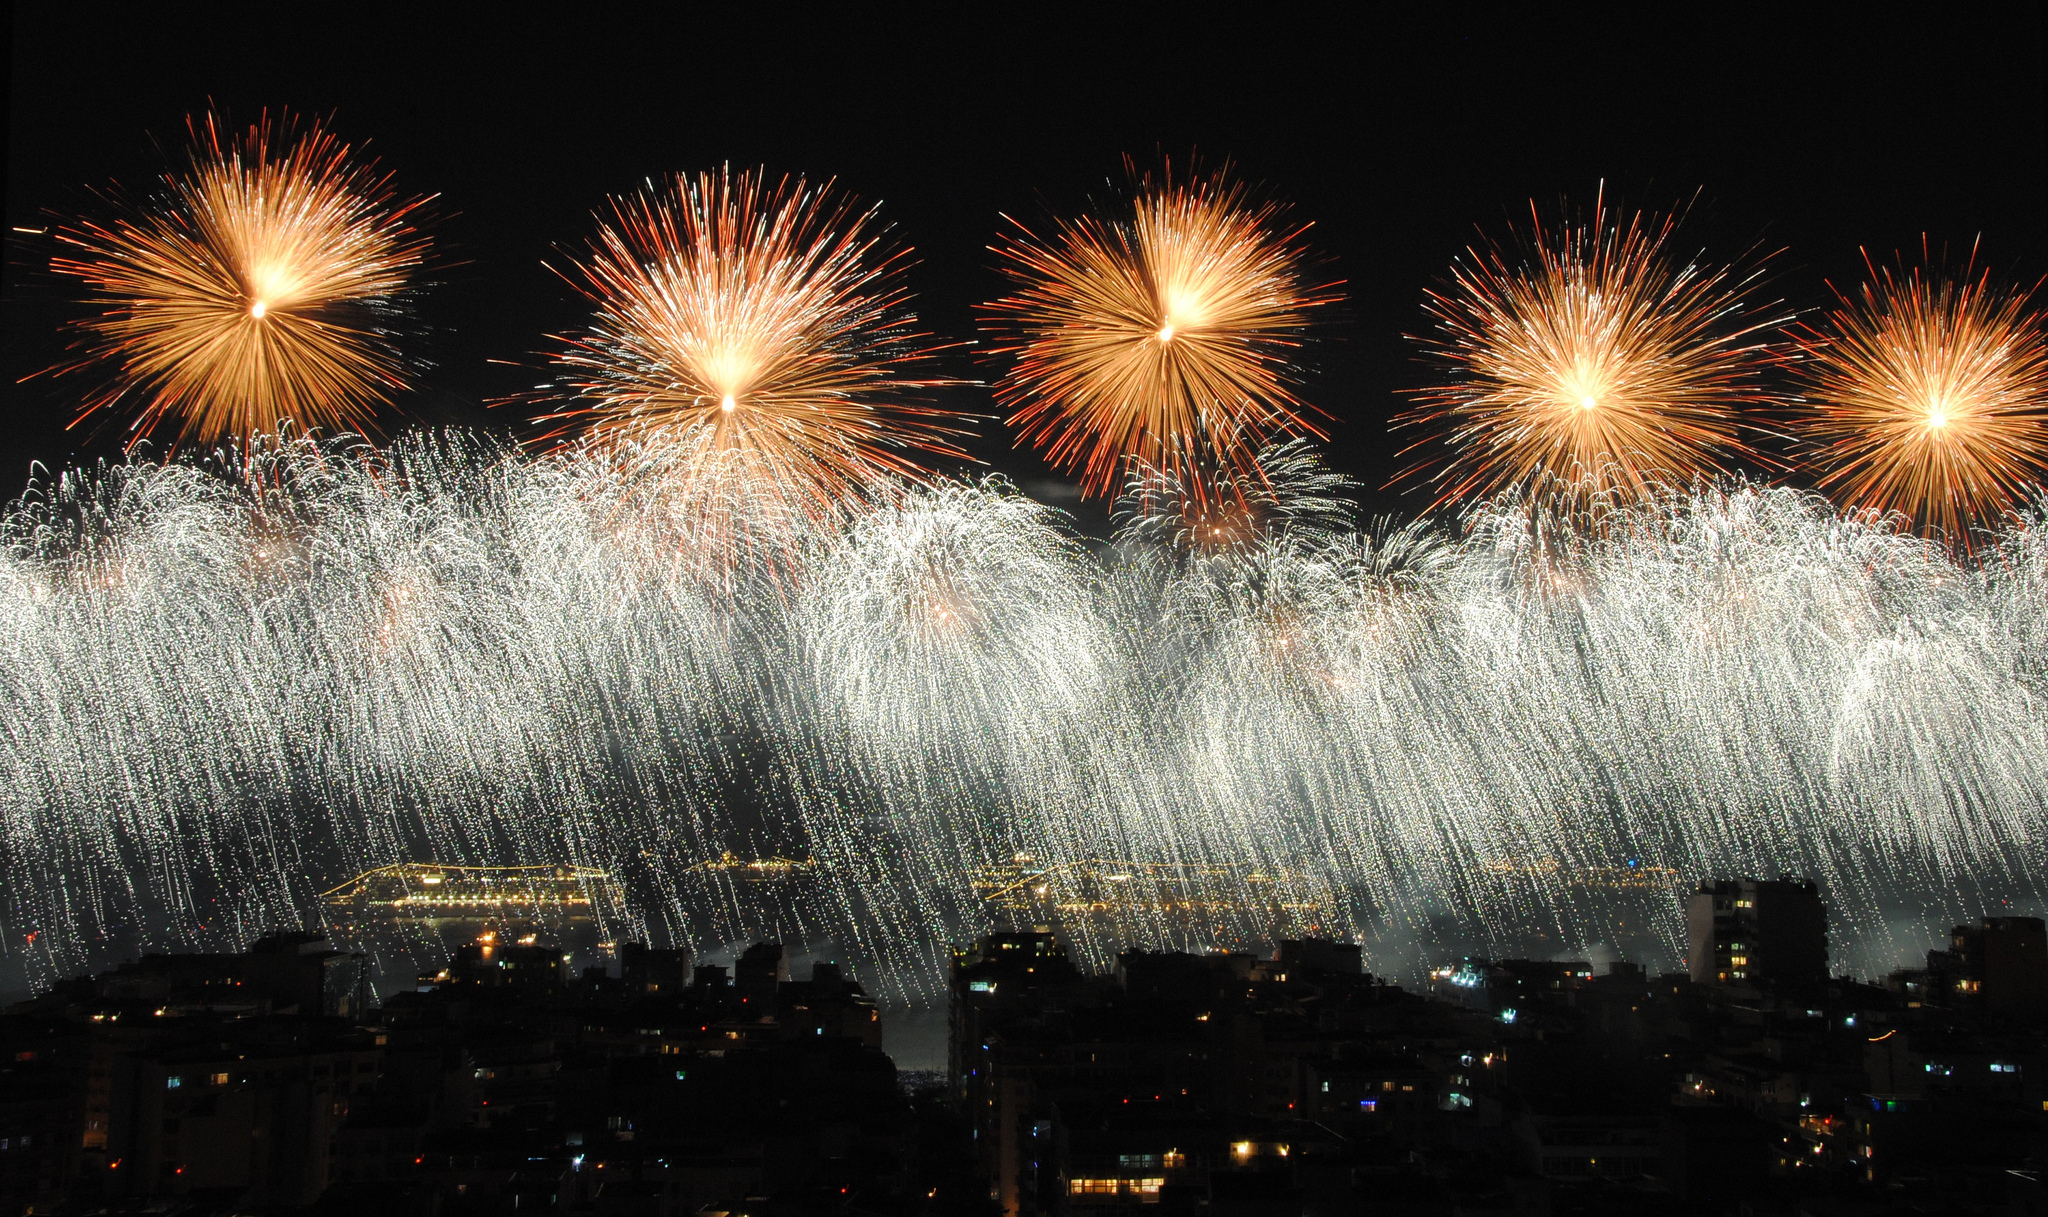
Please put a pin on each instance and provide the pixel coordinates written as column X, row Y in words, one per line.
column 1368, row 1104
column 173, row 1082
column 1174, row 1160
column 1115, row 1187
column 218, row 1079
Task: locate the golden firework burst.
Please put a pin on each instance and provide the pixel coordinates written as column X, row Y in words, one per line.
column 755, row 339
column 1164, row 337
column 1928, row 396
column 1592, row 360
column 258, row 288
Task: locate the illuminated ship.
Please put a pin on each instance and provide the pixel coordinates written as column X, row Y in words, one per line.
column 1154, row 903
column 565, row 901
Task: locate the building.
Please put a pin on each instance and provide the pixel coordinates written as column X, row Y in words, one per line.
column 216, row 1083
column 1221, row 1082
column 1756, row 932
column 2001, row 964
column 645, row 969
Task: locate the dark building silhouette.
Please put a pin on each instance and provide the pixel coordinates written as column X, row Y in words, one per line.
column 643, row 969
column 2001, row 964
column 1754, row 932
column 1220, row 1083
column 223, row 1083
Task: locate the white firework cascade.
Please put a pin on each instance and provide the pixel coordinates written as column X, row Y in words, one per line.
column 230, row 683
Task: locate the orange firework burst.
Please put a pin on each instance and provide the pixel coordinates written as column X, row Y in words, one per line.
column 1597, row 362
column 752, row 338
column 257, row 289
column 1928, row 397
column 1164, row 339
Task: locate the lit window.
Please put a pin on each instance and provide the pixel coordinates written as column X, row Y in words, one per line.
column 1368, row 1104
column 1174, row 1160
column 218, row 1079
column 173, row 1082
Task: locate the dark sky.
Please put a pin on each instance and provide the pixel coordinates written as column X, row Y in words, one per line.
column 1816, row 134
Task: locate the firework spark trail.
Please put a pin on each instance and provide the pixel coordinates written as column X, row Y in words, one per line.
column 1929, row 396
column 258, row 288
column 959, row 654
column 228, row 684
column 1597, row 360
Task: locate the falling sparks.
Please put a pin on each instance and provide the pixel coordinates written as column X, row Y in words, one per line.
column 1929, row 396
column 1595, row 360
column 230, row 679
column 256, row 289
column 1164, row 337
column 1287, row 490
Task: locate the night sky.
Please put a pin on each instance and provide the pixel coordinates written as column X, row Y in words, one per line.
column 1814, row 135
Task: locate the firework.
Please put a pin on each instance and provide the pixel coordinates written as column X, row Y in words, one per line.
column 256, row 289
column 1594, row 360
column 1929, row 396
column 1288, row 489
column 227, row 682
column 1164, row 337
column 753, row 340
